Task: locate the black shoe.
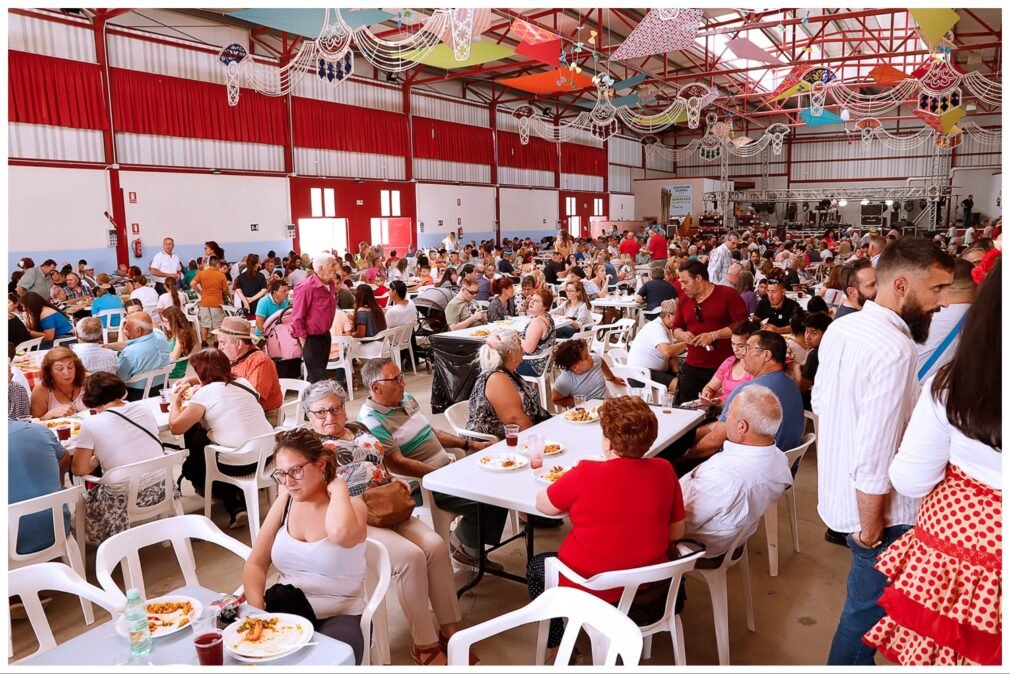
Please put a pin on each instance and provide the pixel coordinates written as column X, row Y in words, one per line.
column 836, row 537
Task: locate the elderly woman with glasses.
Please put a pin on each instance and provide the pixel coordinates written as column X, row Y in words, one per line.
column 315, row 536
column 419, row 556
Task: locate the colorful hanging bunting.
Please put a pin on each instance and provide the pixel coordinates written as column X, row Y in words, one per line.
column 934, row 23
column 544, row 52
column 801, row 78
column 630, row 83
column 745, row 49
column 530, row 34
column 549, row 82
column 824, row 119
column 887, row 74
column 656, row 36
column 443, row 56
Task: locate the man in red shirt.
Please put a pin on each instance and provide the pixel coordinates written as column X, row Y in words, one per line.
column 705, row 319
column 629, row 246
column 658, row 246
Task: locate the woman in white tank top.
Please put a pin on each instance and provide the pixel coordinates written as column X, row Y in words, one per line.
column 315, row 535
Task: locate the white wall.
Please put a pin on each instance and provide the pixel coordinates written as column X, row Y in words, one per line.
column 197, row 207
column 471, row 205
column 526, row 211
column 622, row 207
column 56, row 209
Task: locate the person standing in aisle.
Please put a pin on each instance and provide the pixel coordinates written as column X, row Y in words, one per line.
column 312, row 315
column 968, row 205
column 165, row 264
column 863, row 397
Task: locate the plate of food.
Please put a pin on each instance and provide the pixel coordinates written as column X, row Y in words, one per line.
column 53, row 424
column 582, row 415
column 551, row 474
column 551, row 448
column 166, row 615
column 267, row 636
column 480, row 332
column 503, row 462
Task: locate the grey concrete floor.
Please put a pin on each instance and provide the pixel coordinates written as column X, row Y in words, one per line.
column 795, row 612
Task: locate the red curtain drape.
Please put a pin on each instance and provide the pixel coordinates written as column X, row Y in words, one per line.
column 334, row 126
column 54, row 91
column 171, row 106
column 449, row 141
column 583, row 159
column 538, row 154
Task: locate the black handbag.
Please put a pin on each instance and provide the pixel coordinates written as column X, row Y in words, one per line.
column 284, row 598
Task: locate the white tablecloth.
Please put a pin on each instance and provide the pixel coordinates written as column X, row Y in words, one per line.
column 518, row 489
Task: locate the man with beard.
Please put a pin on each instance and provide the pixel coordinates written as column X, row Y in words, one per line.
column 864, row 394
column 860, row 285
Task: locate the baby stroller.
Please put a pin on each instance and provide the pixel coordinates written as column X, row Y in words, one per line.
column 431, row 303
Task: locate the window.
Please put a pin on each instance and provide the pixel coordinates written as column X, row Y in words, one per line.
column 380, row 231
column 390, row 203
column 597, row 206
column 570, row 206
column 322, row 202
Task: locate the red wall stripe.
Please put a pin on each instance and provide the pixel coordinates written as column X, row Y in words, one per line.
column 351, row 128
column 538, row 154
column 449, row 141
column 583, row 159
column 54, row 91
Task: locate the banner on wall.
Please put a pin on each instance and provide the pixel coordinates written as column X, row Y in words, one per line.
column 680, row 199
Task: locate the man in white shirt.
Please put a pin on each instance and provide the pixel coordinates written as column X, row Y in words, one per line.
column 863, row 397
column 731, row 491
column 89, row 348
column 946, row 326
column 655, row 348
column 165, row 264
column 969, row 235
column 877, row 246
column 721, row 259
column 400, row 310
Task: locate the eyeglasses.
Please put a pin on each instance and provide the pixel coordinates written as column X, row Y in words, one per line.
column 471, row 291
column 747, row 347
column 333, row 411
column 294, row 472
column 398, row 378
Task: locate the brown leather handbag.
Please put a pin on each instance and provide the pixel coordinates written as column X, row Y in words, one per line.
column 388, row 505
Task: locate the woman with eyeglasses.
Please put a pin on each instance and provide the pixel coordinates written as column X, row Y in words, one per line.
column 315, row 536
column 419, row 556
column 731, row 373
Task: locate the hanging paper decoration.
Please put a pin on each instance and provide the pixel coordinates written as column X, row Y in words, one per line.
column 712, row 146
column 745, row 49
column 690, row 100
column 530, row 34
column 885, row 73
column 824, row 119
column 544, row 52
column 934, row 23
column 391, row 55
column 800, row 80
column 461, row 26
column 654, row 35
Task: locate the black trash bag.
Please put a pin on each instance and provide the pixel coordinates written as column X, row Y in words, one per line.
column 454, row 370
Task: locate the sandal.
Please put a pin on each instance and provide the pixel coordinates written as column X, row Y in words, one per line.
column 427, row 656
column 444, row 643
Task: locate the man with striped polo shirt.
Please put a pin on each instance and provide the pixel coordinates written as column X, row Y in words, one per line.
column 414, row 448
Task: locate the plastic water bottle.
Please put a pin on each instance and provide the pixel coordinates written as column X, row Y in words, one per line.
column 136, row 624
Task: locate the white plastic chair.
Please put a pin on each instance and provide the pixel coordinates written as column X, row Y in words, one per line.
column 124, row 548
column 150, row 377
column 292, row 415
column 772, row 514
column 645, row 316
column 656, row 390
column 374, row 624
column 133, row 477
column 457, row 414
column 541, row 381
column 400, row 342
column 717, row 588
column 344, row 362
column 65, row 546
column 630, row 580
column 29, row 581
column 611, row 335
column 29, row 345
column 256, row 451
column 612, row 633
column 376, row 346
column 616, row 357
column 63, row 341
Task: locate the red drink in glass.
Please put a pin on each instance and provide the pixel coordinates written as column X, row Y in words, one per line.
column 511, row 440
column 210, row 648
column 164, row 407
column 63, row 432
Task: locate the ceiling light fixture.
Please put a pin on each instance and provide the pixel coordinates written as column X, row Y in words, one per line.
column 865, row 202
column 843, row 202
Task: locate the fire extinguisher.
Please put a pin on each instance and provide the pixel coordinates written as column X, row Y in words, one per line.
column 138, row 248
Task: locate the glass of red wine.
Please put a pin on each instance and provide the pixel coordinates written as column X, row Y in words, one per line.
column 208, row 639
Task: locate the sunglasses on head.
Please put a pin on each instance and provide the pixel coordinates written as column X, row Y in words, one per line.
column 774, row 282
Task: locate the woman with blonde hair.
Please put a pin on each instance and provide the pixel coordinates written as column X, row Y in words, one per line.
column 500, row 395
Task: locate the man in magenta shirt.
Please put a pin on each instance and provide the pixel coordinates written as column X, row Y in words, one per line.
column 658, row 246
column 314, row 305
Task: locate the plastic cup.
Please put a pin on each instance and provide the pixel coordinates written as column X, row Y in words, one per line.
column 579, row 400
column 63, row 432
column 164, row 395
column 511, row 435
column 208, row 640
column 535, row 446
column 667, row 400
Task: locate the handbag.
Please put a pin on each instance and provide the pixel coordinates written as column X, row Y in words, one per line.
column 284, row 598
column 388, row 505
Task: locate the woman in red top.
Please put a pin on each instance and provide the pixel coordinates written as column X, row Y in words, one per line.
column 625, row 510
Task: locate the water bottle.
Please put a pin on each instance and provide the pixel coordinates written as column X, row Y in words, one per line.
column 136, row 624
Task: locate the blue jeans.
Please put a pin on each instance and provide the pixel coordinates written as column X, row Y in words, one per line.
column 861, row 612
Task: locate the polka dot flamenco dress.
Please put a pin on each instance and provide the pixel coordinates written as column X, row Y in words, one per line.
column 945, row 581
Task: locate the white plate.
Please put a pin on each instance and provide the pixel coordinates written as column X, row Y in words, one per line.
column 494, row 462
column 293, row 633
column 122, row 630
column 595, row 410
column 526, row 450
column 541, row 473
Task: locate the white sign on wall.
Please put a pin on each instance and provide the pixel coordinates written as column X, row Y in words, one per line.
column 680, row 199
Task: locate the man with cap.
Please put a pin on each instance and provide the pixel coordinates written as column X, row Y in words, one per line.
column 235, row 339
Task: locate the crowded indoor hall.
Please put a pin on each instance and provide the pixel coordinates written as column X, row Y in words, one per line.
column 682, row 349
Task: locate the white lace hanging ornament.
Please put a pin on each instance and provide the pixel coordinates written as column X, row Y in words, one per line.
column 523, row 115
column 667, row 13
column 461, row 22
column 231, row 56
column 818, row 90
column 777, row 133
